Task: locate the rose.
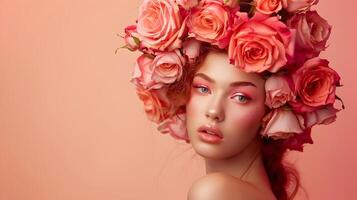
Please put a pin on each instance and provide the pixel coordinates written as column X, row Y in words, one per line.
column 260, row 43
column 325, row 116
column 282, row 123
column 278, row 91
column 175, row 126
column 160, row 25
column 191, row 48
column 165, row 68
column 187, row 4
column 268, row 6
column 312, row 33
column 155, row 104
column 298, row 5
column 142, row 73
column 315, row 84
column 211, row 22
column 132, row 43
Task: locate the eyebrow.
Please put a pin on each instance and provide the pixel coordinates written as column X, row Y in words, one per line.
column 237, row 83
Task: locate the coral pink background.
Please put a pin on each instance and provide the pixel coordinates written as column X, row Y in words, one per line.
column 71, row 126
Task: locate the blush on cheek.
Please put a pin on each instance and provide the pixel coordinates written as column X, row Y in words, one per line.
column 246, row 117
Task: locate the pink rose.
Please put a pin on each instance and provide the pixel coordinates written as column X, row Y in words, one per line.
column 261, row 43
column 187, row 4
column 278, row 91
column 175, row 126
column 160, row 25
column 315, row 84
column 142, row 73
column 312, row 33
column 326, row 115
column 282, row 123
column 298, row 5
column 192, row 48
column 155, row 104
column 165, row 68
column 132, row 43
column 211, row 22
column 268, row 6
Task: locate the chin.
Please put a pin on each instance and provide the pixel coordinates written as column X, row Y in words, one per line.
column 209, row 151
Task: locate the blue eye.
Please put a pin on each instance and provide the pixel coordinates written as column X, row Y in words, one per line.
column 241, row 98
column 202, row 89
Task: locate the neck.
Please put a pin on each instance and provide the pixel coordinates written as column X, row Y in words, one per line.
column 246, row 165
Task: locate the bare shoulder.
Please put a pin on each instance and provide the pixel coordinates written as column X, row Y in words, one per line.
column 218, row 186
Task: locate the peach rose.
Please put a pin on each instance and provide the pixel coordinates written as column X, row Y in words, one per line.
column 315, row 84
column 282, row 123
column 187, row 4
column 278, row 91
column 211, row 22
column 142, row 73
column 261, row 43
column 155, row 104
column 132, row 43
column 268, row 6
column 175, row 126
column 312, row 32
column 165, row 68
column 160, row 25
column 325, row 116
column 191, row 48
column 298, row 5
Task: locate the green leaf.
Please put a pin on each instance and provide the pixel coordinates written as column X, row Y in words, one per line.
column 136, row 40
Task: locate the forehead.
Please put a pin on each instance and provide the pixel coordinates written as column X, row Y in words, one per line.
column 216, row 65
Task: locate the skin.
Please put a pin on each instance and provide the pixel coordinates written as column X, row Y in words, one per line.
column 237, row 111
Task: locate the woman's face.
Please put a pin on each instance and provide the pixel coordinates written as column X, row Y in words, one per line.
column 229, row 99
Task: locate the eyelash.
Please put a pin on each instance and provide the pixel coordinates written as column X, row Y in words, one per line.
column 240, row 94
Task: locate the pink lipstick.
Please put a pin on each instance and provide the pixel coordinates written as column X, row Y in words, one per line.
column 210, row 134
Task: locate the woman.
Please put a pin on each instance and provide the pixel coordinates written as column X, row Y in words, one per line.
column 229, row 103
column 241, row 82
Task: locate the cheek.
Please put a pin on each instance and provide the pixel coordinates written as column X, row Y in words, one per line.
column 194, row 109
column 245, row 119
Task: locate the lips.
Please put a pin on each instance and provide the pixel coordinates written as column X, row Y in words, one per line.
column 213, row 130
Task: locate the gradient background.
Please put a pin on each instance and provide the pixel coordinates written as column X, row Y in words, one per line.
column 72, row 127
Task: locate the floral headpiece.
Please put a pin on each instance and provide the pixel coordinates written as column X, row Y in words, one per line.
column 281, row 39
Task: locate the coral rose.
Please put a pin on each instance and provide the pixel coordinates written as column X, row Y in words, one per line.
column 278, row 91
column 156, row 104
column 160, row 25
column 211, row 22
column 315, row 84
column 268, row 6
column 261, row 43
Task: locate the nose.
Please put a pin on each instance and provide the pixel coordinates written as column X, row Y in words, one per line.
column 215, row 111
